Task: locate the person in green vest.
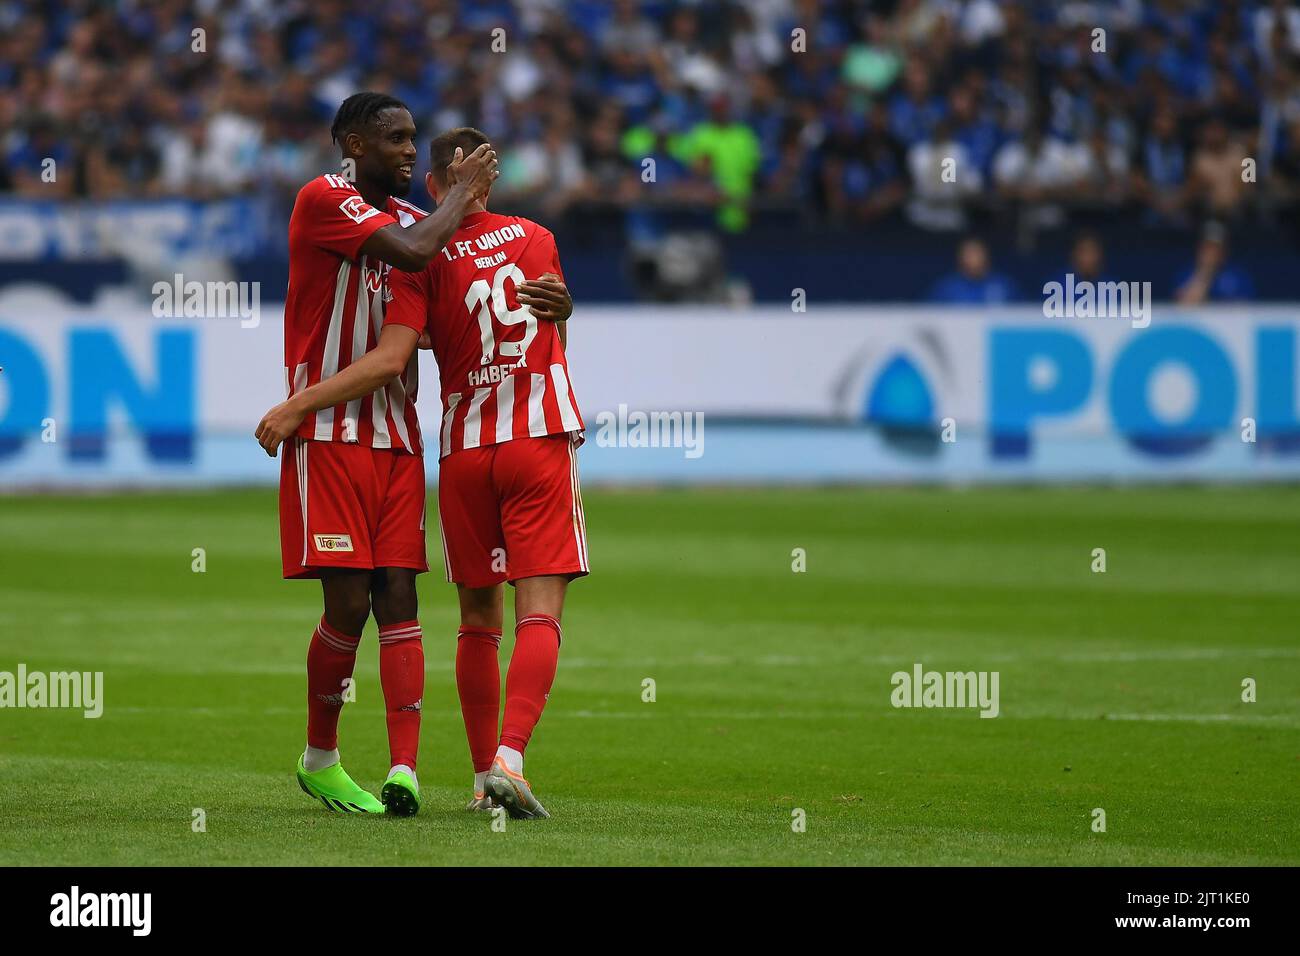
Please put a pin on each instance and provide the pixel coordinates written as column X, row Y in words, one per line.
column 726, row 149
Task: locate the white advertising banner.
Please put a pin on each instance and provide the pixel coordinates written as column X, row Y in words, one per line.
column 111, row 394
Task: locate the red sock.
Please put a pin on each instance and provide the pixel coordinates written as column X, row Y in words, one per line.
column 401, row 672
column 478, row 681
column 330, row 659
column 529, row 679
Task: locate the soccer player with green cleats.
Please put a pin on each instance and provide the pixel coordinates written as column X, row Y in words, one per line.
column 401, row 793
column 333, row 787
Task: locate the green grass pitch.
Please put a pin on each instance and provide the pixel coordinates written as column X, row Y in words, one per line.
column 1119, row 690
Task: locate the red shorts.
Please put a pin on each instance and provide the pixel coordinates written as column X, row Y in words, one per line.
column 350, row 506
column 511, row 511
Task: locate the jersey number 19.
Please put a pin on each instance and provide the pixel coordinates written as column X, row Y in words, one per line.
column 489, row 301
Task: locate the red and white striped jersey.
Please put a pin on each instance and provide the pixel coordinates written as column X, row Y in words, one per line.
column 504, row 374
column 335, row 309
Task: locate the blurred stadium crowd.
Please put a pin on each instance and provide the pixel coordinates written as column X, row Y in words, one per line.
column 853, row 119
column 843, row 112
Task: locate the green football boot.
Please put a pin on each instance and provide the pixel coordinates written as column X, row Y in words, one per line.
column 334, row 788
column 401, row 794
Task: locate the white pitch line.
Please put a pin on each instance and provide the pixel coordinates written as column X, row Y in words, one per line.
column 1284, row 719
column 137, row 664
column 1279, row 720
column 1177, row 654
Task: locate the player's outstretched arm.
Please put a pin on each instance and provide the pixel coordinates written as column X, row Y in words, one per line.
column 411, row 248
column 373, row 370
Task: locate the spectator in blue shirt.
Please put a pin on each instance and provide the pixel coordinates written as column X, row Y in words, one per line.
column 27, row 162
column 916, row 110
column 1162, row 170
column 631, row 83
column 974, row 282
column 1212, row 277
column 976, row 132
column 1087, row 261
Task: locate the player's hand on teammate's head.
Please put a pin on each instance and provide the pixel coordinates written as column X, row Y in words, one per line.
column 546, row 297
column 477, row 171
column 456, row 171
column 276, row 426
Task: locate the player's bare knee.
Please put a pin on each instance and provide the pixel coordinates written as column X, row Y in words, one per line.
column 395, row 595
column 481, row 607
column 348, row 615
column 540, row 595
column 347, row 601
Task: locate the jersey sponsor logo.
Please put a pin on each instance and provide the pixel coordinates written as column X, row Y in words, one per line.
column 357, row 209
column 374, row 279
column 333, row 542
